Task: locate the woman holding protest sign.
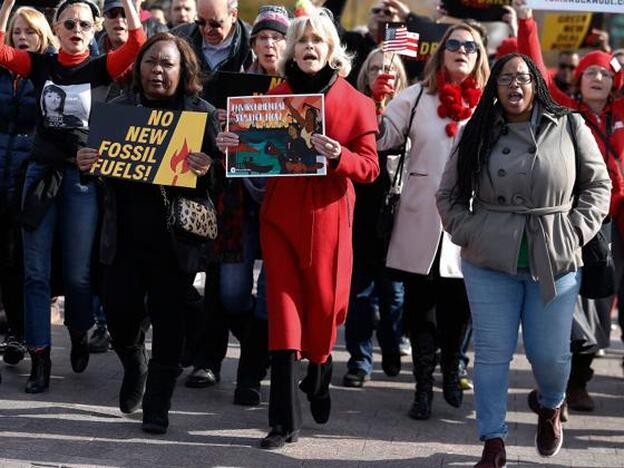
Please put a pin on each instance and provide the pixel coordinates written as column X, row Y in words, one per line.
column 55, row 197
column 597, row 81
column 431, row 114
column 144, row 255
column 306, row 226
column 28, row 30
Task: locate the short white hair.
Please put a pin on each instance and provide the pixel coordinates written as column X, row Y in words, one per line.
column 321, row 22
column 232, row 4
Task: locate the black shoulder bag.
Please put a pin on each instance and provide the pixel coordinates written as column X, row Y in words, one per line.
column 598, row 275
column 388, row 209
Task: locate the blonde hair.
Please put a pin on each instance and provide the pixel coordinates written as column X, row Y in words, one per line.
column 321, row 22
column 435, row 62
column 400, row 82
column 38, row 22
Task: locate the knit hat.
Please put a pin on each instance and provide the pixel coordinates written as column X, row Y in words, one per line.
column 95, row 9
column 271, row 17
column 604, row 60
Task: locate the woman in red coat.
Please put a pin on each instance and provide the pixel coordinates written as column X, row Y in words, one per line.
column 306, row 226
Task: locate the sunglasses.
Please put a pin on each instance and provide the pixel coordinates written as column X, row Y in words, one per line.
column 214, row 24
column 381, row 11
column 520, row 78
column 567, row 66
column 453, row 45
column 114, row 13
column 70, row 25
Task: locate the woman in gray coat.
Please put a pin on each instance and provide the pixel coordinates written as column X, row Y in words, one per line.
column 525, row 189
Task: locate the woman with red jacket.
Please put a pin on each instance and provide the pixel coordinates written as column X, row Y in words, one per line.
column 56, row 198
column 306, row 225
column 597, row 80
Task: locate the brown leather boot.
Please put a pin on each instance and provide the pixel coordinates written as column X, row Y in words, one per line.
column 549, row 437
column 494, row 455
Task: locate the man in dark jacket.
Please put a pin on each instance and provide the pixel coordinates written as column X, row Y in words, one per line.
column 220, row 40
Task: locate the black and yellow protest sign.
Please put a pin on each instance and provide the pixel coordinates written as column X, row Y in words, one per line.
column 565, row 30
column 480, row 10
column 145, row 145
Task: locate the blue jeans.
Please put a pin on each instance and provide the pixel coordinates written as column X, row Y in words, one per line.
column 74, row 216
column 236, row 279
column 370, row 287
column 499, row 303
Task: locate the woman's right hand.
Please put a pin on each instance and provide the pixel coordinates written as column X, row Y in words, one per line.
column 383, row 87
column 86, row 158
column 227, row 140
column 522, row 10
column 5, row 12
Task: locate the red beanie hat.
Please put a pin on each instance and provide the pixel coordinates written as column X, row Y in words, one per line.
column 601, row 59
column 507, row 46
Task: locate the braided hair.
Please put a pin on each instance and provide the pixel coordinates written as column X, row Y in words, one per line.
column 478, row 138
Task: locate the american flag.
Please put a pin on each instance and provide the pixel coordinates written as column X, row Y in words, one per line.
column 400, row 41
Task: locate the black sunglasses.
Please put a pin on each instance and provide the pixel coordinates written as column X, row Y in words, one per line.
column 567, row 66
column 114, row 13
column 453, row 45
column 379, row 11
column 212, row 23
column 71, row 24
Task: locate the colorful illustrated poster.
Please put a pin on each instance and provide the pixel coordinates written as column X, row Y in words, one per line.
column 275, row 133
column 146, row 145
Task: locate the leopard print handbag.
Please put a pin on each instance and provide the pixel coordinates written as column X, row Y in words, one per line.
column 191, row 217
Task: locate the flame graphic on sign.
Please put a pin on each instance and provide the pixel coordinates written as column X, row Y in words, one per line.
column 178, row 161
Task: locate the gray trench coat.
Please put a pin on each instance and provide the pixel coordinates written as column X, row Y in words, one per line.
column 528, row 190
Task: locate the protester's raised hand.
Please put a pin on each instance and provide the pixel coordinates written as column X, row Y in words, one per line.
column 522, row 9
column 511, row 18
column 602, row 39
column 86, row 158
column 383, row 87
column 227, row 140
column 5, row 12
column 402, row 10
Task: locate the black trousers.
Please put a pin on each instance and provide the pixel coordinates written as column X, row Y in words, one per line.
column 581, row 371
column 12, row 274
column 284, row 405
column 134, row 289
column 436, row 314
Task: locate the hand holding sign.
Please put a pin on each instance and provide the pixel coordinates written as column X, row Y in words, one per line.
column 522, row 9
column 86, row 158
column 199, row 163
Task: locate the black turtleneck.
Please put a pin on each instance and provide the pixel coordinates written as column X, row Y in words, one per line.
column 303, row 83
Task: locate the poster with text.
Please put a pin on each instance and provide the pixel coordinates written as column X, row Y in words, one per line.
column 275, row 135
column 146, row 145
column 604, row 6
column 480, row 10
column 567, row 31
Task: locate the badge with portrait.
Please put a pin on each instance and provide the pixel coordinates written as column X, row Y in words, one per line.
column 275, row 135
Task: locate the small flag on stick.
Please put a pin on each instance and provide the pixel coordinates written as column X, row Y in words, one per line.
column 399, row 40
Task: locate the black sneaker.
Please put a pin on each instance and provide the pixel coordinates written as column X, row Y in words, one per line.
column 355, row 378
column 100, row 340
column 14, row 351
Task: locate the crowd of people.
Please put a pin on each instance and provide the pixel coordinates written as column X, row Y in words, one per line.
column 505, row 174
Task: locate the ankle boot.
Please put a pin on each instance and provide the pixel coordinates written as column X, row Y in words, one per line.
column 278, row 437
column 452, row 391
column 316, row 386
column 424, row 359
column 134, row 362
column 40, row 366
column 253, row 364
column 79, row 354
column 159, row 388
column 284, row 408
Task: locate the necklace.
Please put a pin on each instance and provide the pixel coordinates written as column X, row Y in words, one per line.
column 457, row 101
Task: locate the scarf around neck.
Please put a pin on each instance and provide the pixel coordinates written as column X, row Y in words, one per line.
column 457, row 101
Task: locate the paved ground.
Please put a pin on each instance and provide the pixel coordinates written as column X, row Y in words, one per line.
column 77, row 423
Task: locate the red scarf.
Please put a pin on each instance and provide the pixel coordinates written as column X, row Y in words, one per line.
column 457, row 101
column 71, row 60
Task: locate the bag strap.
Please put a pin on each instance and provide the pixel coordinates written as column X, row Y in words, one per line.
column 600, row 133
column 398, row 176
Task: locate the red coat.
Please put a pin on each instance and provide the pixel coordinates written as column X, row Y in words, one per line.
column 528, row 43
column 305, row 231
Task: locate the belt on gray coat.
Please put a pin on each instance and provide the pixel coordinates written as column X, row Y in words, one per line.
column 540, row 259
